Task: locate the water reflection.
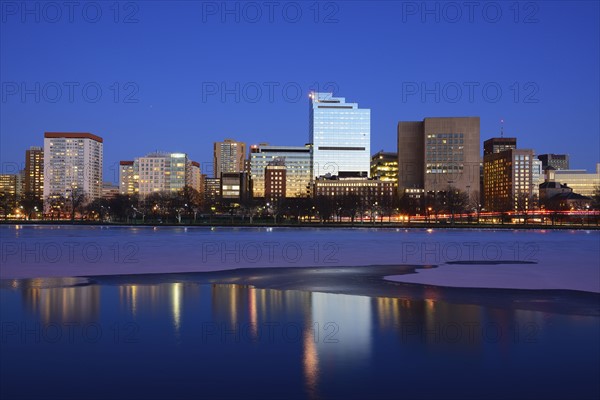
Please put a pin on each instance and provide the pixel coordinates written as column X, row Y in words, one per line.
column 321, row 339
column 60, row 304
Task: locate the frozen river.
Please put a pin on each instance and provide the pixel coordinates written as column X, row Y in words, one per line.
column 522, row 259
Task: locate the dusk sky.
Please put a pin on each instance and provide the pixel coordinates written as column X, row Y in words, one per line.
column 170, row 64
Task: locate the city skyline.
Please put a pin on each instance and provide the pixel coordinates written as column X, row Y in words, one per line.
column 183, row 101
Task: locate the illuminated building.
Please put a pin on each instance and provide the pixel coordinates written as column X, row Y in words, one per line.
column 437, row 153
column 340, row 134
column 128, row 178
column 72, row 161
column 581, row 181
column 297, row 167
column 384, row 166
column 508, row 180
column 34, row 171
column 556, row 161
column 229, row 157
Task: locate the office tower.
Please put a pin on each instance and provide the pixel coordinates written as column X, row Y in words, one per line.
column 275, row 180
column 161, row 172
column 384, row 166
column 508, row 180
column 297, row 166
column 498, row 144
column 229, row 156
column 340, row 134
column 34, row 171
column 581, row 181
column 72, row 161
column 556, row 161
column 128, row 178
column 438, row 153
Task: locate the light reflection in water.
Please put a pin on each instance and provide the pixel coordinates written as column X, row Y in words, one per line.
column 61, row 304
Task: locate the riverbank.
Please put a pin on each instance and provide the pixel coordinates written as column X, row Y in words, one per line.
column 312, row 225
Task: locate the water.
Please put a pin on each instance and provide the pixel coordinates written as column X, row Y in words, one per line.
column 214, row 336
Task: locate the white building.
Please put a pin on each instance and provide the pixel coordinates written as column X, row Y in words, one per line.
column 340, row 134
column 72, row 161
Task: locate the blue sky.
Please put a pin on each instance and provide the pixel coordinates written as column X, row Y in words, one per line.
column 179, row 76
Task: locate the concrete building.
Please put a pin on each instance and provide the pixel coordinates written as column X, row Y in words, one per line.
column 556, row 161
column 507, row 180
column 297, row 160
column 437, row 153
column 340, row 134
column 128, row 178
column 384, row 166
column 34, row 171
column 72, row 161
column 229, row 156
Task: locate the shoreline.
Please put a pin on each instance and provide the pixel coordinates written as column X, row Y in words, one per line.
column 367, row 281
column 342, row 225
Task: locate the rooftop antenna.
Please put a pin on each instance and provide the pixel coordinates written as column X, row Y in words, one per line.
column 502, row 128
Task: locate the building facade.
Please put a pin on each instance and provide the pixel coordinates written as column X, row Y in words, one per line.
column 340, row 134
column 370, row 191
column 275, row 180
column 8, row 184
column 128, row 178
column 384, row 166
column 194, row 176
column 72, row 161
column 438, row 153
column 581, row 181
column 34, row 171
column 508, row 180
column 229, row 156
column 498, row 144
column 212, row 190
column 556, row 161
column 297, row 160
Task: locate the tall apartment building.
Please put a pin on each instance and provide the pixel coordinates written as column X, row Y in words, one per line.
column 508, row 180
column 556, row 161
column 297, row 160
column 72, row 161
column 340, row 134
column 436, row 153
column 34, row 171
column 229, row 156
column 384, row 166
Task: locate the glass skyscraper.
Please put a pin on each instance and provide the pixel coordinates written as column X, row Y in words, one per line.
column 340, row 134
